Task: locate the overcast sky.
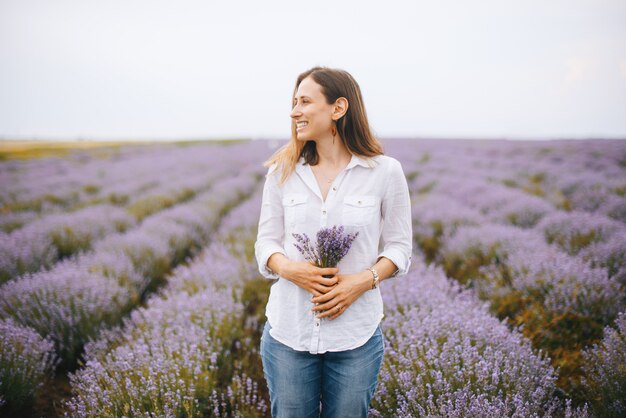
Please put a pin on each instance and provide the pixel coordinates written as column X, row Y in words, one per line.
column 149, row 69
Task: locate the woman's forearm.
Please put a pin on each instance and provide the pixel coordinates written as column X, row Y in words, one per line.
column 385, row 268
column 276, row 262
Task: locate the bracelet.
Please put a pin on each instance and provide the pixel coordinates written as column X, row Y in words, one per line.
column 376, row 278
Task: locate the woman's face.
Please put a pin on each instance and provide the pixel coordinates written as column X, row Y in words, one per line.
column 311, row 113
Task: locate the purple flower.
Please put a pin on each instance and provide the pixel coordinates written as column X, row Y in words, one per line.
column 331, row 246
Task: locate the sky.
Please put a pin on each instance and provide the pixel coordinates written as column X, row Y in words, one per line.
column 149, row 69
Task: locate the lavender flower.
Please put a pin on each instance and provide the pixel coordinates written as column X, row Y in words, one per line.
column 331, row 246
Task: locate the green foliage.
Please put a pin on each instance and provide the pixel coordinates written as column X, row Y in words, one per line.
column 117, row 199
column 427, row 187
column 26, row 361
column 604, row 381
column 621, row 190
column 534, row 189
column 510, row 183
column 91, row 188
column 561, row 334
column 430, row 244
column 466, row 266
column 12, row 226
column 149, row 205
column 573, row 243
column 68, row 242
column 537, row 178
column 34, row 205
column 412, row 175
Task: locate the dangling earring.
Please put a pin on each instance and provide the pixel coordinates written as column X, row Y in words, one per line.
column 333, row 130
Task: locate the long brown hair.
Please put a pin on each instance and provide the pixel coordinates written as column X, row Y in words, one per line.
column 353, row 127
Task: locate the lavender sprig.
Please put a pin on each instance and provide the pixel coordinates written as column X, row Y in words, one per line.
column 331, row 246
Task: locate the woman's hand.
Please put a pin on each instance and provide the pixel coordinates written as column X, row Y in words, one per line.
column 348, row 289
column 309, row 277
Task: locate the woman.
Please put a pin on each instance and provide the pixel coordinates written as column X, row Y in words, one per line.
column 322, row 345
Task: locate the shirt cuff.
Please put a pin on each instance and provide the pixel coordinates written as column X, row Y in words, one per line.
column 401, row 261
column 264, row 257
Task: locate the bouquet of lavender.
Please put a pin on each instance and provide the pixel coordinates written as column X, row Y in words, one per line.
column 331, row 246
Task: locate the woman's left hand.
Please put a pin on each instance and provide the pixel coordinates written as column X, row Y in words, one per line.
column 348, row 289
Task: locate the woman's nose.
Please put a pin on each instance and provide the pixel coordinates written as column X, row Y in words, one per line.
column 295, row 112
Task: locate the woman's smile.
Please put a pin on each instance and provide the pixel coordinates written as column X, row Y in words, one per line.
column 311, row 113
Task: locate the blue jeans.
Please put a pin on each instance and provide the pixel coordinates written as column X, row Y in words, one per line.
column 340, row 383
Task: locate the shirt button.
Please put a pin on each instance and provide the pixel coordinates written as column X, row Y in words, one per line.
column 359, row 202
column 317, row 324
column 324, row 212
column 334, row 189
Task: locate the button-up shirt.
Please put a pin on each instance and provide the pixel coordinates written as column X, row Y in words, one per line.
column 370, row 196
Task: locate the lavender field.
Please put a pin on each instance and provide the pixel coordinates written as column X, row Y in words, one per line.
column 128, row 284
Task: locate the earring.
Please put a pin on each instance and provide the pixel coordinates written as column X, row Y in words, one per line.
column 333, row 130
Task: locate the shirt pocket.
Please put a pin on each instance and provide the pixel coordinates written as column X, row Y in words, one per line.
column 360, row 210
column 295, row 209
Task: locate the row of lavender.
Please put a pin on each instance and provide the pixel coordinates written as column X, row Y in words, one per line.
column 512, row 223
column 49, row 185
column 188, row 352
column 150, row 184
column 70, row 303
column 181, row 355
column 53, row 185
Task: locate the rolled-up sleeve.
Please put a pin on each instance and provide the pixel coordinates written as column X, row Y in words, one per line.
column 397, row 233
column 270, row 235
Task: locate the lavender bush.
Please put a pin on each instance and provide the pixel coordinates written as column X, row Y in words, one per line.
column 605, row 374
column 610, row 255
column 446, row 356
column 67, row 304
column 26, row 361
column 19, row 254
column 180, row 343
column 576, row 230
column 562, row 302
column 474, row 246
column 15, row 220
column 436, row 218
column 64, row 234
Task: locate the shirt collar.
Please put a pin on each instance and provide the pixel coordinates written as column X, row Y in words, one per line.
column 354, row 160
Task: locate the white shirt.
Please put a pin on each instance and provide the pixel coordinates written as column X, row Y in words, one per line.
column 370, row 196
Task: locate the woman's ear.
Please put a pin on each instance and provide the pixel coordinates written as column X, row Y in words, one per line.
column 340, row 108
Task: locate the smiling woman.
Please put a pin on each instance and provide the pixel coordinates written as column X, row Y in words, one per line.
column 322, row 346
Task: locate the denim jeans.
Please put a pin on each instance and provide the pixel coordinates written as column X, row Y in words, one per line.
column 341, row 383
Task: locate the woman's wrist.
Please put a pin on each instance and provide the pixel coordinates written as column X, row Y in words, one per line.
column 366, row 280
column 277, row 262
column 375, row 277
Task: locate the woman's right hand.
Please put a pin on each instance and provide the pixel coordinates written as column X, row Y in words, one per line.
column 309, row 277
